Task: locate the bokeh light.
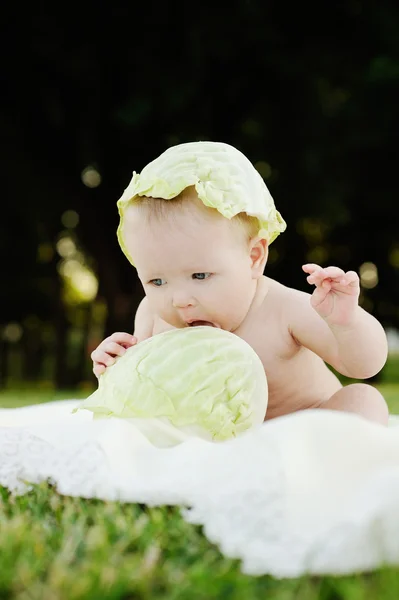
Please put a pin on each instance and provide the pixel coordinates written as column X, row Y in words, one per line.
column 273, row 256
column 318, row 255
column 66, row 247
column 81, row 282
column 91, row 177
column 70, row 219
column 264, row 169
column 368, row 275
column 12, row 332
column 394, row 257
column 314, row 230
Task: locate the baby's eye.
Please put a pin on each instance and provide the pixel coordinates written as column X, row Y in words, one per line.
column 201, row 275
column 158, row 282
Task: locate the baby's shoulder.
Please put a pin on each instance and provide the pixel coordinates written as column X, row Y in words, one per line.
column 281, row 301
column 268, row 329
column 279, row 295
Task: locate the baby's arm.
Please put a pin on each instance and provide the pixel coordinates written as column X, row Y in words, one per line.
column 356, row 350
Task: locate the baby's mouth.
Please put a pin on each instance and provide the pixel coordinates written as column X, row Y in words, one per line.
column 201, row 324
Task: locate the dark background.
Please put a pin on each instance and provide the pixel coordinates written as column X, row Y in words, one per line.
column 308, row 91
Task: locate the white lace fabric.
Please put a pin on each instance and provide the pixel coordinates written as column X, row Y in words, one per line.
column 315, row 492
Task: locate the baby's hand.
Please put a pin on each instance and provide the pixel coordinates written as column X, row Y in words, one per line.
column 108, row 351
column 336, row 295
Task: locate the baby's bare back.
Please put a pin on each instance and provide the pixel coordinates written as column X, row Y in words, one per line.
column 297, row 378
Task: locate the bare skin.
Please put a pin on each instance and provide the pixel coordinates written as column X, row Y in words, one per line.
column 197, row 270
column 288, row 364
column 297, row 378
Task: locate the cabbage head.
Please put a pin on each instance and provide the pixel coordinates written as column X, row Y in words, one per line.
column 204, row 380
column 223, row 177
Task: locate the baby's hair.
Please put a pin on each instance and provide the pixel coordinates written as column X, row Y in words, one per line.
column 249, row 224
column 161, row 209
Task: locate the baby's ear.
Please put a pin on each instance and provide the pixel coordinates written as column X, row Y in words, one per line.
column 259, row 251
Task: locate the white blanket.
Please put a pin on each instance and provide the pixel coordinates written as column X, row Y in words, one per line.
column 314, row 492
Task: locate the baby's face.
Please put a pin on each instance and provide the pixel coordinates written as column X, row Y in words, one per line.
column 195, row 268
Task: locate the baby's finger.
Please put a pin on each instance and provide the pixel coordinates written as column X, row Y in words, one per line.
column 310, row 268
column 129, row 344
column 333, row 273
column 101, row 357
column 99, row 370
column 316, row 277
column 352, row 278
column 107, row 360
column 320, row 294
column 114, row 349
column 121, row 337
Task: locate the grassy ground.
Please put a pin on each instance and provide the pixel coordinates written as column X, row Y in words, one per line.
column 57, row 548
column 17, row 397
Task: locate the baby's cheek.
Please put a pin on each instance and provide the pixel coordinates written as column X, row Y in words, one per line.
column 164, row 308
column 153, row 303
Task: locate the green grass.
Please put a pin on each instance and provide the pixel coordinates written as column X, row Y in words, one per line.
column 59, row 548
column 17, row 397
column 54, row 547
column 390, row 391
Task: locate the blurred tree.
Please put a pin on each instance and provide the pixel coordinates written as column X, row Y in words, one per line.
column 308, row 92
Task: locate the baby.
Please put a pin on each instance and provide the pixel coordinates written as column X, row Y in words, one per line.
column 199, row 239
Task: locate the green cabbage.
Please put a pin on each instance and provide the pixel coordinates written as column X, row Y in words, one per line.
column 223, row 177
column 200, row 379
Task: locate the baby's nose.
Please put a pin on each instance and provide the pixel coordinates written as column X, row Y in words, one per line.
column 181, row 299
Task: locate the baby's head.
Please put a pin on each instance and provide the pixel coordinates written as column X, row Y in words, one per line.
column 197, row 266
